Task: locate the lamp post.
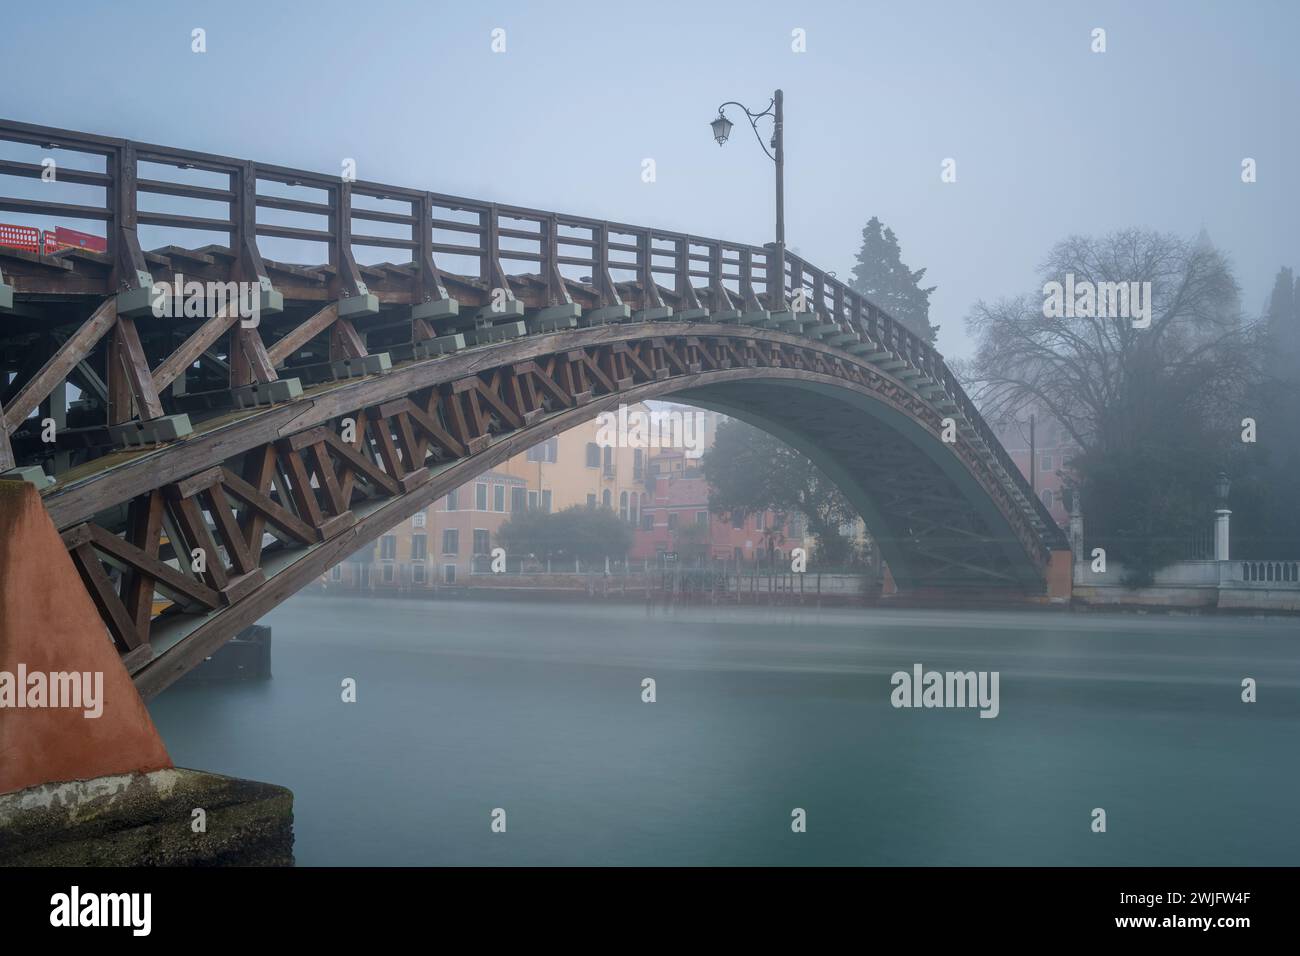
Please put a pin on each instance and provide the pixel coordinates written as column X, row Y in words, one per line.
column 722, row 130
column 1222, row 485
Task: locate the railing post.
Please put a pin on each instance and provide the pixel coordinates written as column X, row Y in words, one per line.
column 243, row 239
column 350, row 289
column 775, row 274
column 132, row 280
column 650, row 298
column 719, row 297
column 688, row 303
column 432, row 300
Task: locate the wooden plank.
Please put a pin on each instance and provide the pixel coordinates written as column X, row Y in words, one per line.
column 144, row 528
column 326, row 477
column 6, row 450
column 197, row 535
column 358, row 462
column 56, row 369
column 259, row 361
column 304, row 496
column 136, row 367
column 430, row 426
column 110, row 606
column 361, row 447
column 259, row 471
column 493, row 399
column 166, row 578
column 383, row 432
column 189, row 351
column 304, row 333
column 267, row 510
column 242, row 558
column 345, row 341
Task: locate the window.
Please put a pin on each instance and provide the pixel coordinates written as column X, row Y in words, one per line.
column 1046, row 463
column 622, row 506
column 638, row 464
column 1047, row 497
column 518, row 498
column 701, row 518
column 546, row 501
column 609, row 460
column 672, row 520
column 591, row 501
column 451, row 499
column 450, row 541
column 498, row 497
column 532, row 500
column 738, row 519
column 449, row 574
column 419, row 547
column 388, row 547
column 604, row 498
column 417, row 574
column 417, row 520
column 546, row 451
column 647, row 521
column 593, row 455
column 390, row 573
column 480, row 496
column 336, row 573
column 482, row 541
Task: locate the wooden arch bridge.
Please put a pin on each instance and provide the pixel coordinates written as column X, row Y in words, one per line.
column 224, row 431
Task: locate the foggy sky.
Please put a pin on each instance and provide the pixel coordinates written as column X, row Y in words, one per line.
column 1049, row 138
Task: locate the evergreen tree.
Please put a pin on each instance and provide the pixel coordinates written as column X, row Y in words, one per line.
column 882, row 277
column 1283, row 326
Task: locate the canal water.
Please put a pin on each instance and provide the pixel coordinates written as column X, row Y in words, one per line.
column 463, row 707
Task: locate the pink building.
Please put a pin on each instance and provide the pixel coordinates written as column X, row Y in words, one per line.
column 1052, row 449
column 675, row 518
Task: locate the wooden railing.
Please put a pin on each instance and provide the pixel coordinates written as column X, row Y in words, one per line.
column 733, row 277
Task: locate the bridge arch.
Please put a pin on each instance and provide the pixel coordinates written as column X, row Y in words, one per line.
column 442, row 377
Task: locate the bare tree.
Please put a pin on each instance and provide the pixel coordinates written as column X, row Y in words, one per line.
column 1106, row 381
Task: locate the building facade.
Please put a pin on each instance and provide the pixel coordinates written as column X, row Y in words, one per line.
column 453, row 539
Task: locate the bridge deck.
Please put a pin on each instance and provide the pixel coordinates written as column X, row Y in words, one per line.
column 443, row 374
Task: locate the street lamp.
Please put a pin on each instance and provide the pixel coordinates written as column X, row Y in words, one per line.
column 722, row 130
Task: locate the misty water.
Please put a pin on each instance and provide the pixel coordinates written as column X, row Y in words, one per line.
column 536, row 708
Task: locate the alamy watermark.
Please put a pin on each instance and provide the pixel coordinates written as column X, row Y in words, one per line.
column 922, row 688
column 1085, row 299
column 192, row 299
column 75, row 908
column 79, row 690
column 633, row 428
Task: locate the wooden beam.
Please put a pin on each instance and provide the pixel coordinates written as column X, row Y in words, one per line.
column 166, row 578
column 345, row 341
column 6, row 450
column 357, row 462
column 144, row 526
column 110, row 606
column 56, row 369
column 266, row 509
column 189, row 351
column 259, row 362
column 304, row 333
column 136, row 368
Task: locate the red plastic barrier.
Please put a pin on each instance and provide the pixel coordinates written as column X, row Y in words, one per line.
column 26, row 238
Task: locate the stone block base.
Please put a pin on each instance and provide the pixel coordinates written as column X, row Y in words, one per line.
column 147, row 819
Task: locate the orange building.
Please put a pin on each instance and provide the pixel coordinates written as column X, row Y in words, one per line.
column 453, row 540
